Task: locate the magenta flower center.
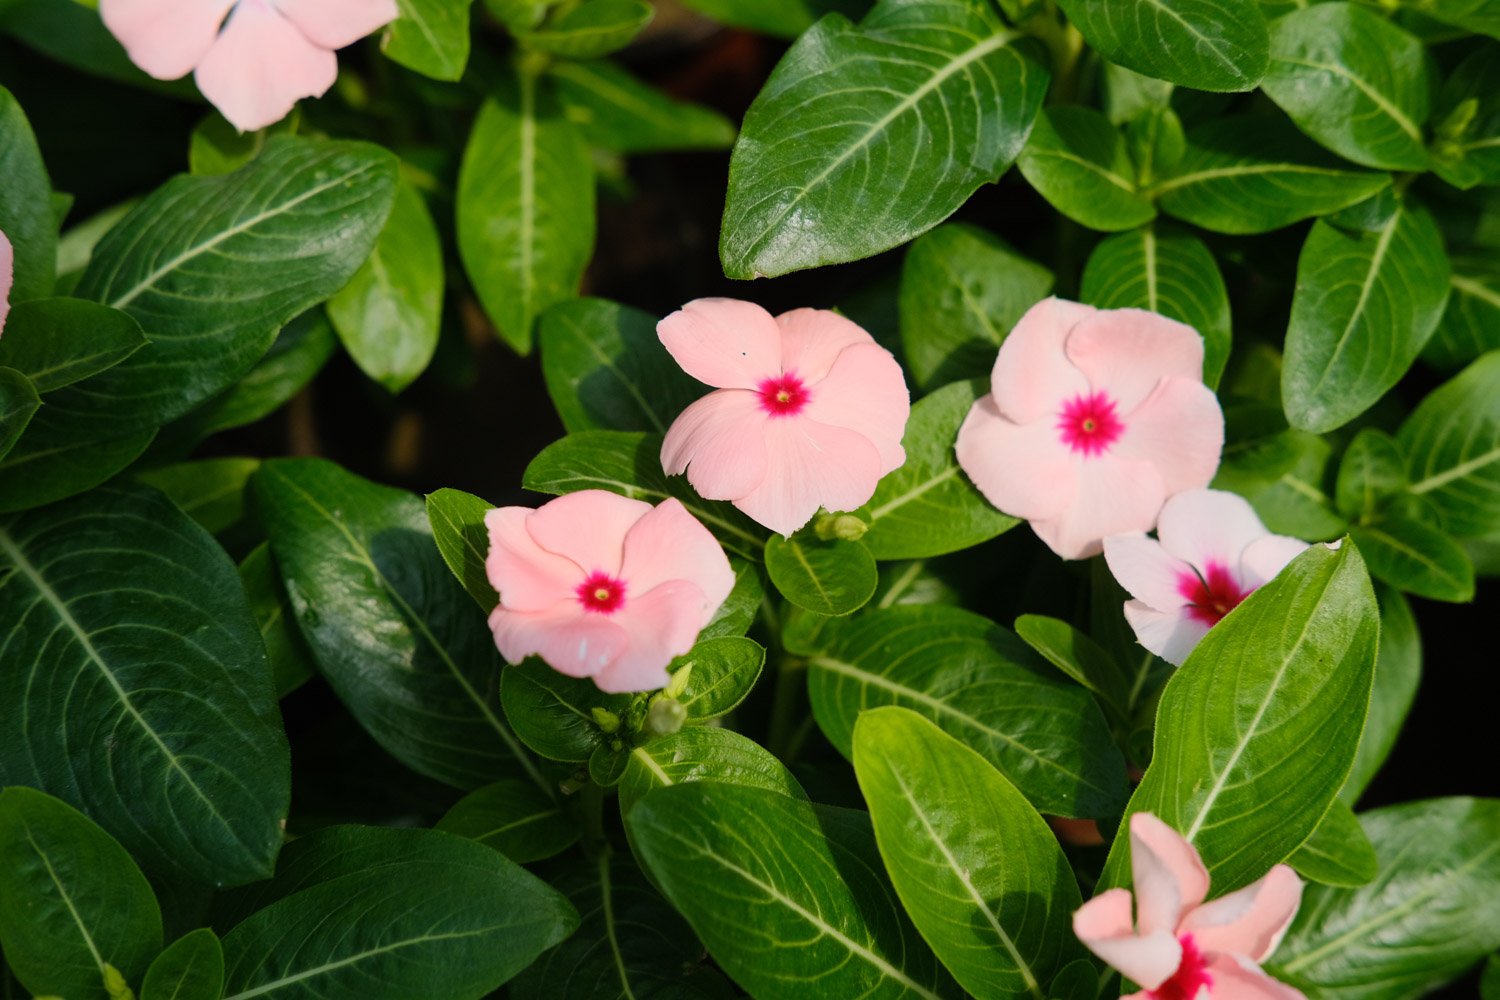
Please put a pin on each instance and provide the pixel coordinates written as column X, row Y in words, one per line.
column 1213, row 595
column 601, row 593
column 784, row 396
column 1088, row 424
column 1190, row 978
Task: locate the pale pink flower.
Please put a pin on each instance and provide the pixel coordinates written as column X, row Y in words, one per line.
column 1181, row 948
column 7, row 275
column 1212, row 553
column 269, row 54
column 603, row 586
column 809, row 413
column 1093, row 419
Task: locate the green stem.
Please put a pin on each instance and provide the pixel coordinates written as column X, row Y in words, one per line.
column 786, row 707
column 591, row 805
column 1065, row 45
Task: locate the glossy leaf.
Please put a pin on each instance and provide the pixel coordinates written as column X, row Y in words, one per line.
column 552, row 712
column 617, row 111
column 71, row 899
column 25, row 204
column 1218, row 46
column 1471, row 321
column 38, row 471
column 976, row 867
column 740, row 608
column 1416, row 558
column 1398, row 671
column 56, row 342
column 1081, row 658
column 916, row 81
column 301, row 349
column 724, row 671
column 1338, row 852
column 458, row 528
column 211, row 491
column 18, row 402
column 827, row 577
column 703, row 753
column 291, row 663
column 1452, row 447
column 1466, row 147
column 430, row 36
column 1078, row 161
column 1365, row 305
column 128, row 633
column 217, row 147
column 514, row 817
column 962, row 289
column 592, row 29
column 980, row 684
column 1283, row 472
column 191, row 969
column 1371, row 470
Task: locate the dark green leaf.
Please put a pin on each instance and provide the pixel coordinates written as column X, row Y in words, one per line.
column 56, row 342
column 1416, row 558
column 724, row 671
column 1471, row 322
column 515, row 818
column 1398, row 671
column 608, row 762
column 1371, row 470
column 737, row 613
column 25, row 204
column 38, row 471
column 617, row 111
column 1480, row 16
column 1218, row 46
column 211, row 492
column 703, row 753
column 18, row 401
column 827, row 577
column 1144, row 671
column 1078, row 161
column 1078, row 980
column 552, row 712
column 458, row 528
column 1338, row 852
column 191, row 969
column 1466, row 149
column 291, row 663
column 1283, row 472
column 1081, row 658
column 782, row 18
column 592, row 29
column 912, row 582
column 1452, row 446
column 430, row 36
column 301, row 349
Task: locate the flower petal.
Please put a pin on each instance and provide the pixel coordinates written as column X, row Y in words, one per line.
column 1147, row 570
column 662, row 623
column 723, row 342
column 572, row 641
column 1113, row 496
column 260, row 66
column 1148, row 960
column 812, row 339
column 527, row 577
column 1032, row 376
column 1251, row 921
column 811, row 465
column 7, row 275
column 1170, row 879
column 332, row 24
column 671, row 544
column 1241, row 980
column 1265, row 557
column 166, row 38
column 720, row 441
column 1209, row 526
column 1180, row 430
column 1106, row 916
column 1023, row 469
column 865, row 392
column 1126, row 352
column 588, row 527
column 1169, row 634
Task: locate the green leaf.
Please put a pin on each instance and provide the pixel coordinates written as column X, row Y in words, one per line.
column 301, row 349
column 25, row 205
column 1430, row 914
column 592, row 29
column 1078, row 161
column 56, row 342
column 782, row 18
column 1353, row 81
column 630, row 464
column 631, row 942
column 1338, row 852
column 1471, row 322
column 606, row 369
column 212, row 267
column 1283, row 472
column 1166, row 271
column 890, row 100
column 1398, row 671
column 458, row 528
column 1416, row 558
column 703, row 753
column 191, row 969
column 617, row 111
column 976, row 867
column 1217, row 46
column 515, row 818
column 740, row 608
column 364, row 931
column 828, row 577
column 790, row 899
column 1452, row 446
column 71, row 899
column 430, row 36
column 962, row 290
column 724, row 671
column 217, row 147
column 291, row 663
column 1466, row 148
column 1371, row 470
column 386, row 622
column 525, row 207
column 18, row 402
column 552, row 712
column 1256, row 732
column 38, row 471
column 128, row 627
column 1365, row 305
column 211, row 492
column 1081, row 658
column 980, row 684
column 388, row 315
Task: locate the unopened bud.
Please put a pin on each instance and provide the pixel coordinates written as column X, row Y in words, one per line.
column 115, row 984
column 665, row 716
column 679, row 682
column 843, row 526
column 606, row 720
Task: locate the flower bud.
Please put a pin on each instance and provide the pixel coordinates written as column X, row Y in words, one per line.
column 665, row 716
column 606, row 720
column 679, row 682
column 843, row 526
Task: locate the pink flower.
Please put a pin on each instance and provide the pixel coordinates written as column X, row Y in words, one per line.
column 270, row 53
column 602, row 586
column 7, row 262
column 1180, row 946
column 809, row 413
column 1094, row 418
column 1213, row 552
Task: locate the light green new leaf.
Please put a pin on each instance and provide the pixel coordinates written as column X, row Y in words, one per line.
column 56, row 342
column 1079, row 162
column 1364, row 307
column 1371, row 470
column 1471, row 322
column 291, row 663
column 211, row 491
column 525, row 207
column 1166, row 271
column 962, row 289
column 1338, row 852
column 191, row 969
column 617, row 111
column 18, row 402
column 516, row 818
column 1218, row 46
column 832, row 577
column 553, row 713
column 25, row 205
column 71, row 900
column 914, row 108
column 458, row 528
column 1466, row 147
column 1452, row 447
column 430, row 36
column 592, row 29
column 976, row 867
column 1354, row 81
column 1398, row 671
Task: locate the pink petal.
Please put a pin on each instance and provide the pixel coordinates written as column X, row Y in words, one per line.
column 166, row 38
column 1242, row 980
column 572, row 641
column 527, row 577
column 720, row 441
column 1180, row 430
column 1265, row 557
column 1032, row 376
column 1208, row 526
column 260, row 66
column 1112, row 497
column 1169, row 634
column 1143, row 567
column 723, row 342
column 662, row 624
column 671, row 544
column 1103, row 925
column 7, row 263
column 1023, row 469
column 332, row 24
column 1170, row 879
column 810, row 465
column 1106, row 916
column 589, row 528
column 1126, row 352
column 865, row 392
column 811, row 340
column 1252, row 921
